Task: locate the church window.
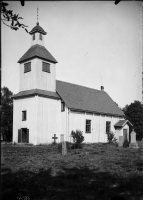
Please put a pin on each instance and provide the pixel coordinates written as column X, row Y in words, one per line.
column 88, row 126
column 62, row 106
column 108, row 127
column 34, row 36
column 24, row 115
column 27, row 67
column 46, row 67
column 40, row 36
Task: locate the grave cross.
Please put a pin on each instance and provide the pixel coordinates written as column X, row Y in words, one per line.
column 54, row 138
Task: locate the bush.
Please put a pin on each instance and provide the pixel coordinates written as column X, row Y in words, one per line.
column 77, row 138
column 111, row 137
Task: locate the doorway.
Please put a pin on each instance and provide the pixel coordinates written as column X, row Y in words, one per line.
column 23, row 135
column 125, row 134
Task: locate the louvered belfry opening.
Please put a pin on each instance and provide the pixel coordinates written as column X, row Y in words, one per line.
column 46, row 67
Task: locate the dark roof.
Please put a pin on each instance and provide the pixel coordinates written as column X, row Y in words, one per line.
column 122, row 123
column 34, row 92
column 37, row 51
column 37, row 28
column 86, row 99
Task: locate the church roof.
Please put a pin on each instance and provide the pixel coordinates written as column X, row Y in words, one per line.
column 82, row 98
column 34, row 92
column 37, row 51
column 37, row 28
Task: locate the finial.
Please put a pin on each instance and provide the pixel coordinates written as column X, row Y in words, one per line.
column 37, row 17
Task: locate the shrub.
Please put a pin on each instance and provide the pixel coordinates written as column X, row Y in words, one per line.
column 111, row 137
column 77, row 138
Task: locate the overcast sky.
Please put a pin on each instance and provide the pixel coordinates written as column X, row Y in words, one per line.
column 95, row 43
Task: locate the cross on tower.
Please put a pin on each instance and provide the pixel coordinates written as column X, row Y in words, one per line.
column 37, row 15
column 54, row 138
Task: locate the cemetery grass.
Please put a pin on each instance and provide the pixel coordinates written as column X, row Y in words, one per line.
column 97, row 171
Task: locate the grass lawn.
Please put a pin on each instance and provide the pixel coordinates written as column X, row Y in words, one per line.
column 98, row 171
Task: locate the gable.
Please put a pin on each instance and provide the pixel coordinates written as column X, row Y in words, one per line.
column 87, row 99
column 122, row 123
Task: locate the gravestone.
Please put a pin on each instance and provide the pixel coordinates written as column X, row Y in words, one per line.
column 62, row 137
column 64, row 148
column 121, row 141
column 133, row 143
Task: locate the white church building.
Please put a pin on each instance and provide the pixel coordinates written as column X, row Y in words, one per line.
column 46, row 107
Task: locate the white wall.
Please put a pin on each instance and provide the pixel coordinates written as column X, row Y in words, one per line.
column 20, row 105
column 43, row 119
column 48, row 120
column 98, row 125
column 36, row 78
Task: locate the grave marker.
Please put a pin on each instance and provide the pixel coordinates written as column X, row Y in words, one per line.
column 133, row 143
column 121, row 141
column 62, row 137
column 64, row 148
column 54, row 138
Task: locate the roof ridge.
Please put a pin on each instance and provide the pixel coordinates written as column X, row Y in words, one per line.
column 81, row 86
column 37, row 45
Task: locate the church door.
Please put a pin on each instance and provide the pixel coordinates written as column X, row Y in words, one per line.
column 23, row 135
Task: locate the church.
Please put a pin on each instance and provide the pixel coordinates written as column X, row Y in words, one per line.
column 46, row 109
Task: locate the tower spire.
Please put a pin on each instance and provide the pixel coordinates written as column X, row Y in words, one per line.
column 37, row 17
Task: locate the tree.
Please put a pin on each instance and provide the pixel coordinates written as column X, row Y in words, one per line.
column 6, row 114
column 134, row 113
column 8, row 16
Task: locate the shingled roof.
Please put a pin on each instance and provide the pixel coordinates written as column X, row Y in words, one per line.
column 87, row 99
column 34, row 92
column 122, row 123
column 37, row 28
column 37, row 51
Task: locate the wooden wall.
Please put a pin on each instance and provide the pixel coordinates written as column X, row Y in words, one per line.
column 36, row 78
column 43, row 119
column 77, row 120
column 48, row 119
column 20, row 105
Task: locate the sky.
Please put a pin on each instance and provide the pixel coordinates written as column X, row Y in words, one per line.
column 95, row 43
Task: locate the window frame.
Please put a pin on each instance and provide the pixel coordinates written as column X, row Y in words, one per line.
column 26, row 67
column 88, row 125
column 47, row 65
column 108, row 126
column 24, row 115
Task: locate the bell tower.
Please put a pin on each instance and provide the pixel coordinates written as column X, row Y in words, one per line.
column 37, row 106
column 37, row 65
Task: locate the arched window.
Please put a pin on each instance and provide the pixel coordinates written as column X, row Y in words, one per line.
column 34, row 36
column 40, row 36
